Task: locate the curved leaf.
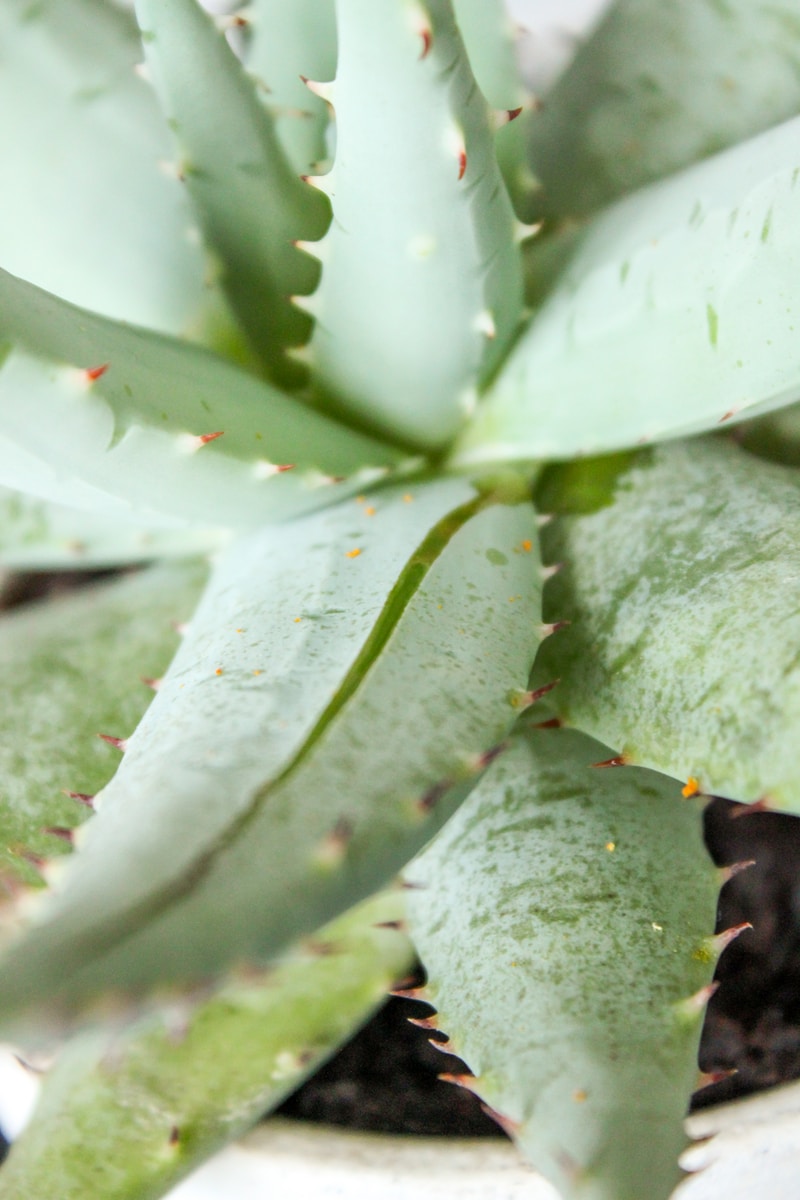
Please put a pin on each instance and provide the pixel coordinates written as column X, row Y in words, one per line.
column 87, row 211
column 129, row 1114
column 681, row 586
column 564, row 918
column 332, row 703
column 421, row 288
column 97, row 413
column 287, row 41
column 237, row 176
column 38, row 535
column 73, row 668
column 676, row 313
column 657, row 87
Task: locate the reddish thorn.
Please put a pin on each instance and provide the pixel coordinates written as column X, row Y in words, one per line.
column 398, row 926
column 744, row 810
column 118, row 743
column 61, row 832
column 513, row 113
column 722, row 940
column 35, row 860
column 94, row 373
column 707, row 1078
column 509, row 1127
column 462, row 164
column 554, row 627
column 553, row 723
column 81, row 797
column 154, row 684
column 433, row 795
column 465, row 1081
column 698, row 1002
column 280, row 467
column 527, row 699
column 412, row 993
column 486, row 760
column 427, row 41
column 619, row 761
column 205, row 438
column 734, row 869
column 424, row 1022
column 408, row 885
column 174, row 1135
column 727, row 416
column 445, row 1047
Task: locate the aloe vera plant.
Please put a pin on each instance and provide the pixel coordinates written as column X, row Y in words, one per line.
column 460, row 573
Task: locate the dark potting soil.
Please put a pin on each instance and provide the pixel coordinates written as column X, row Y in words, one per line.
column 385, row 1079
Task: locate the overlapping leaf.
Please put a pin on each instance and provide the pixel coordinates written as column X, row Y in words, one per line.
column 329, row 707
column 677, row 312
column 421, row 288
column 564, row 919
column 128, row 1114
column 681, row 582
column 657, row 87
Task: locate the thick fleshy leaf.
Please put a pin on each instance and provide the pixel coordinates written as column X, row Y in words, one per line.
column 130, row 1113
column 38, row 535
column 681, row 583
column 489, row 37
column 87, row 211
column 251, row 205
column 564, row 919
column 286, row 42
column 73, row 668
column 659, row 86
column 775, row 437
column 676, row 313
column 421, row 288
column 334, row 699
column 94, row 413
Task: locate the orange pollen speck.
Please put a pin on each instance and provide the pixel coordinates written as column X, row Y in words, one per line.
column 527, row 545
column 297, row 620
column 360, row 499
column 369, row 511
column 611, row 846
column 407, row 498
column 257, row 672
column 218, row 671
column 353, row 553
column 692, row 787
column 580, row 1096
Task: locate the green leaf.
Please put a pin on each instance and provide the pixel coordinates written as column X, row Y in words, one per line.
column 489, row 38
column 332, row 703
column 38, row 535
column 659, row 86
column 421, row 288
column 675, row 314
column 775, row 437
column 680, row 583
column 564, row 920
column 133, row 435
column 72, row 668
column 129, row 1114
column 87, row 211
column 287, row 41
column 236, row 172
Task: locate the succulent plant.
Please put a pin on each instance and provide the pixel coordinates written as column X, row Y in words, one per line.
column 451, row 435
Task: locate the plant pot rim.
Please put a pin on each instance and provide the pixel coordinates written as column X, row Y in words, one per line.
column 746, row 1147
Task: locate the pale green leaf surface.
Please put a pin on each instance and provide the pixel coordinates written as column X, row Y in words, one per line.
column 419, row 266
column 285, row 42
column 677, row 312
column 131, row 434
column 659, row 86
column 682, row 585
column 288, row 795
column 108, row 1108
column 73, row 668
column 251, row 205
column 563, row 917
column 489, row 37
column 87, row 211
column 37, row 534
